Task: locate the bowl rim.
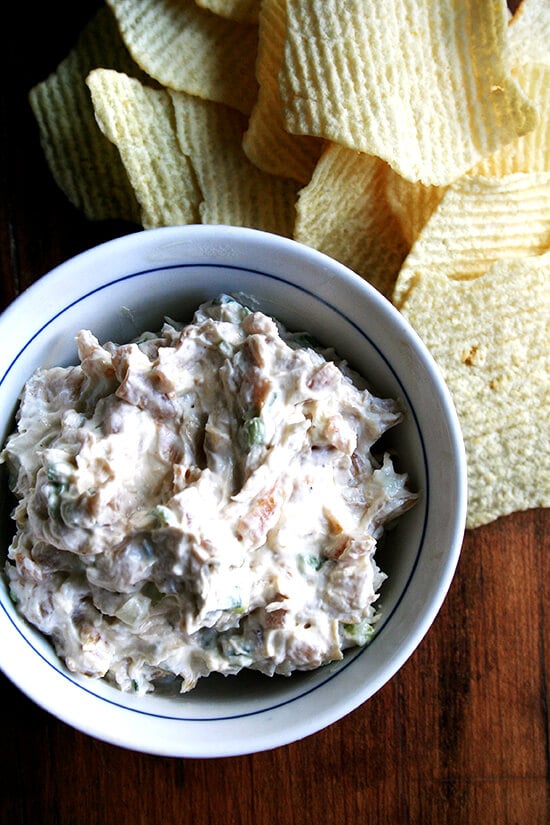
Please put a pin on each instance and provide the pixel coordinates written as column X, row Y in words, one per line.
column 134, row 242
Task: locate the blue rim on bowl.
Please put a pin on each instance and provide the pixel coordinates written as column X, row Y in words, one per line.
column 266, row 713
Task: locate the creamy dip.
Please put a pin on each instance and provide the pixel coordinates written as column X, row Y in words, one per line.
column 202, row 500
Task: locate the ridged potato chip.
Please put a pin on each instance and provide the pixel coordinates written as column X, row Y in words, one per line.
column 412, row 202
column 189, row 49
column 491, row 338
column 266, row 142
column 479, row 221
column 234, row 190
column 140, row 122
column 245, row 11
column 185, row 160
column 415, row 84
column 530, row 153
column 84, row 163
column 529, row 33
column 344, row 213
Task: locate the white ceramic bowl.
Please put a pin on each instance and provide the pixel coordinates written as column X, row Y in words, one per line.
column 128, row 285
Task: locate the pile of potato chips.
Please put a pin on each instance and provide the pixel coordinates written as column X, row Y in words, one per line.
column 407, row 139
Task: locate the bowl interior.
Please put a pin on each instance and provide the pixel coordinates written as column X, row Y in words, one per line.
column 160, row 273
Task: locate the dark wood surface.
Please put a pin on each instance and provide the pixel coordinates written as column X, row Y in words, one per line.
column 459, row 736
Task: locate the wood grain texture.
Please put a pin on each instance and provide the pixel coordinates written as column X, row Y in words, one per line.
column 459, row 736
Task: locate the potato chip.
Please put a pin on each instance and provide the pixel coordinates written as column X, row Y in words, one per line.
column 235, row 191
column 530, row 153
column 187, row 48
column 266, row 142
column 529, row 33
column 491, row 338
column 412, row 202
column 413, row 83
column 139, row 121
column 85, row 165
column 479, row 221
column 344, row 213
column 245, row 11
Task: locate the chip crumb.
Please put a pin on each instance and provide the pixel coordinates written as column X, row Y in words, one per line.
column 472, row 355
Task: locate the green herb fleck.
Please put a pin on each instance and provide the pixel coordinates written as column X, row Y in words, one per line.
column 361, row 632
column 311, row 562
column 255, row 432
column 164, row 515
